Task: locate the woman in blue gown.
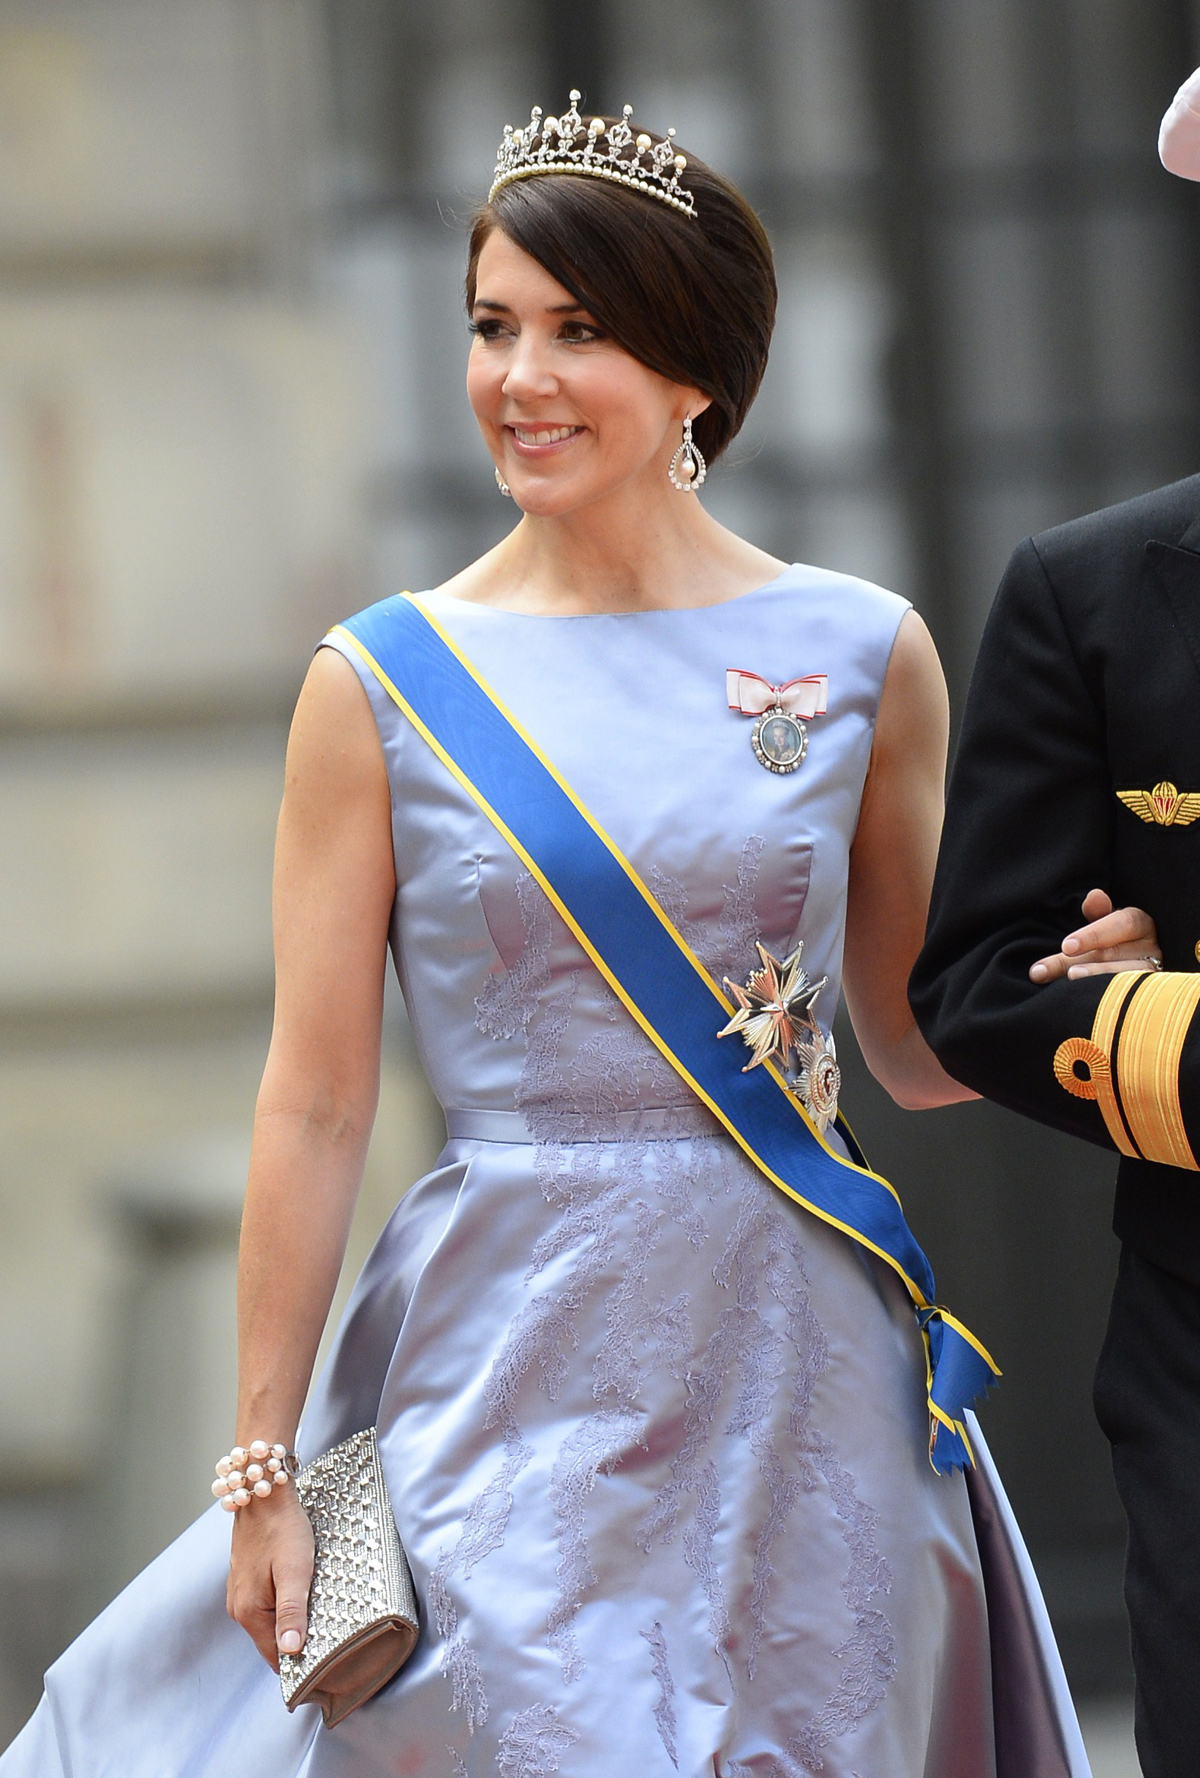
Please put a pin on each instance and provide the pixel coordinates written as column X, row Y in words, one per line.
column 655, row 1438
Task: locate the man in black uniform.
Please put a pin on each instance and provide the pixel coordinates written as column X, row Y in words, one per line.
column 1079, row 767
column 1079, row 770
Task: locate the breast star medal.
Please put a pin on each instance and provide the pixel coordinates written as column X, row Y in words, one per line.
column 780, row 735
column 1164, row 805
column 776, row 1020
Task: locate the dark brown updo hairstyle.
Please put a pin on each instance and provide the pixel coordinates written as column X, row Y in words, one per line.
column 692, row 297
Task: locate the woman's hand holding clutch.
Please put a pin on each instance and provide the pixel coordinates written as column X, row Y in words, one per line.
column 1114, row 939
column 270, row 1573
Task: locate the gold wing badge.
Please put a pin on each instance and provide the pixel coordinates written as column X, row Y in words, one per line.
column 1164, row 806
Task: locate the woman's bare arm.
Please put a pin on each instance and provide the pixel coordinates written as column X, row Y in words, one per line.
column 891, row 871
column 334, row 888
column 891, row 875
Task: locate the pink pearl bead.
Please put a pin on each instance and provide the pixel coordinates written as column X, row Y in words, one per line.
column 242, row 1497
column 220, row 1488
column 234, row 1479
column 224, row 1466
column 229, row 1503
column 254, row 1472
column 279, row 1451
column 280, row 1478
column 238, row 1457
column 260, row 1449
column 273, row 1464
column 262, row 1489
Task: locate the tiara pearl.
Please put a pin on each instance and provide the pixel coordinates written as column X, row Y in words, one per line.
column 593, row 151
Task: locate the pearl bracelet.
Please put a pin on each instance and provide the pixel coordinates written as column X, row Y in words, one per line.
column 253, row 1471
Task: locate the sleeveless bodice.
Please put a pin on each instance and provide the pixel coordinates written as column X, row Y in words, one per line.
column 632, row 710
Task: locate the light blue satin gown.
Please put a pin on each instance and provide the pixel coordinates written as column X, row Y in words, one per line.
column 655, row 1437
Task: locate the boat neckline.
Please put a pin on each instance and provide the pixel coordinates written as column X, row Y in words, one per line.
column 641, row 611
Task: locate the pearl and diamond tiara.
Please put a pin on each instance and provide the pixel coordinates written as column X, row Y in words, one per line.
column 606, row 151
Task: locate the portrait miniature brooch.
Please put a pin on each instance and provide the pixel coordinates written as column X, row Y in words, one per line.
column 776, row 1019
column 780, row 735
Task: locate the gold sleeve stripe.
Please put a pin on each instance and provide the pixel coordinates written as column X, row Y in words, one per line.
column 1104, row 1030
column 1147, row 1066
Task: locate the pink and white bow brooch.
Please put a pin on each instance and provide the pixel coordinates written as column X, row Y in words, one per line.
column 779, row 736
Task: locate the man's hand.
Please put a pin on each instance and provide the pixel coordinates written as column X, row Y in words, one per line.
column 1113, row 939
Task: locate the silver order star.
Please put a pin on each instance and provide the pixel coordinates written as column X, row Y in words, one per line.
column 775, row 1009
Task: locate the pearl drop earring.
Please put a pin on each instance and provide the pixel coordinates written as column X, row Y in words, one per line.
column 688, row 468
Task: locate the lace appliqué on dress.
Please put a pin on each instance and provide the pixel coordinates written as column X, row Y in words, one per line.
column 594, row 1448
column 740, row 925
column 868, row 1654
column 533, row 1744
column 745, row 1346
column 483, row 1530
column 507, row 1001
column 726, row 947
column 638, row 1327
column 664, row 1710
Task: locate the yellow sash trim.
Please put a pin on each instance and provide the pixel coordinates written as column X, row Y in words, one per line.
column 938, row 1416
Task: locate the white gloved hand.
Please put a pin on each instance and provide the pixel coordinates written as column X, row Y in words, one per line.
column 1179, row 133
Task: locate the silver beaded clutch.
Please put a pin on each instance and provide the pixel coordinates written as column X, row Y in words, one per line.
column 362, row 1609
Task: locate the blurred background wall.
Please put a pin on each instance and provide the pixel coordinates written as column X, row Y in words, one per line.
column 231, row 353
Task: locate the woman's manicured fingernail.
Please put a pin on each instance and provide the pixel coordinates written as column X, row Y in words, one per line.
column 1070, row 945
column 1039, row 972
column 289, row 1642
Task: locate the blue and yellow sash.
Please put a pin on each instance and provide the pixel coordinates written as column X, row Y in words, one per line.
column 639, row 953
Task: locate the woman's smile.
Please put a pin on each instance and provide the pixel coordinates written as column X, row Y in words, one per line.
column 538, row 441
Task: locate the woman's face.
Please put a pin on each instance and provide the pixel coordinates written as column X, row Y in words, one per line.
column 568, row 415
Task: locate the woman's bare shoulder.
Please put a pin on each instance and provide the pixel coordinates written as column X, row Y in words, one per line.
column 334, row 743
column 914, row 706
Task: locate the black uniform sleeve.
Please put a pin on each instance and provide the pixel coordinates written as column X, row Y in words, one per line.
column 1028, row 833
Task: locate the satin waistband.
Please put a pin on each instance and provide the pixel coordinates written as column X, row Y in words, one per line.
column 655, row 1123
